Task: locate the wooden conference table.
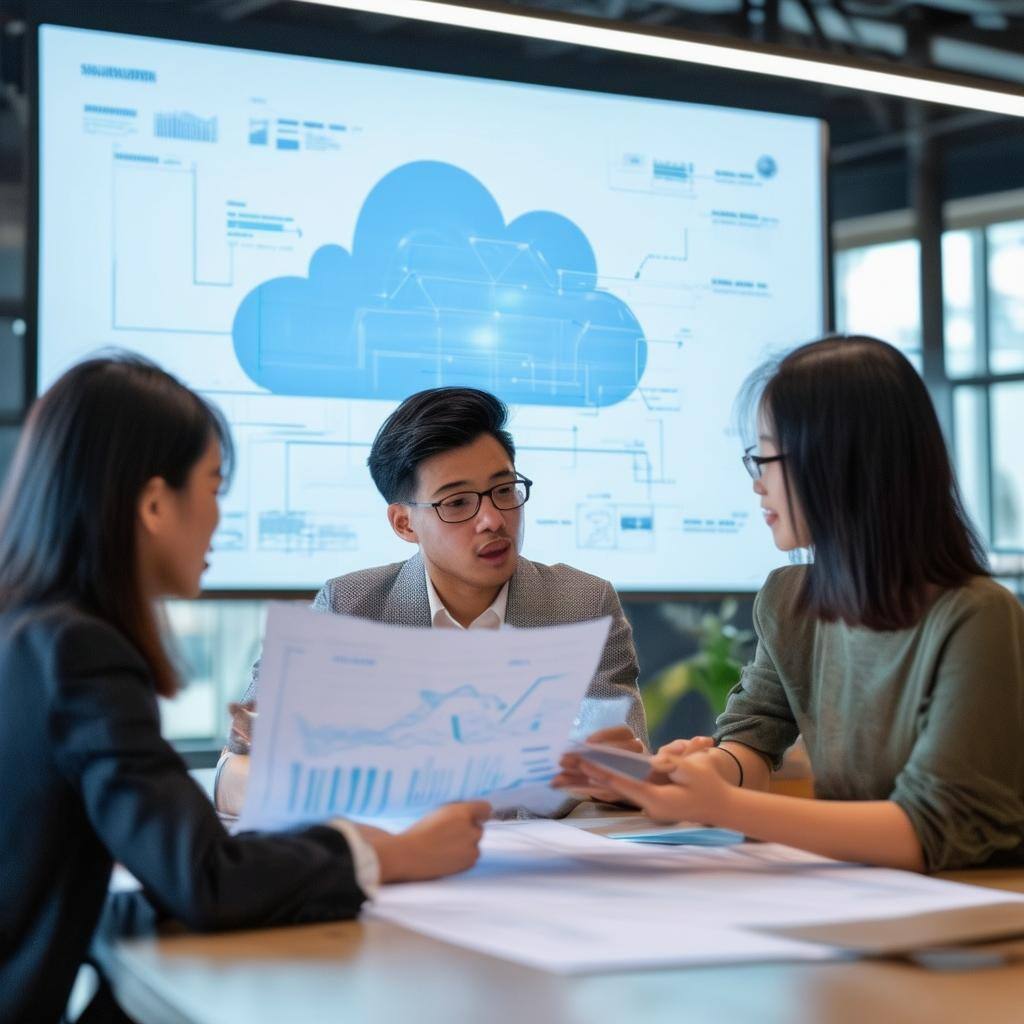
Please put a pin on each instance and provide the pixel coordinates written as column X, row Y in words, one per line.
column 374, row 972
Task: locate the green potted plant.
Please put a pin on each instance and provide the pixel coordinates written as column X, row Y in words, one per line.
column 711, row 671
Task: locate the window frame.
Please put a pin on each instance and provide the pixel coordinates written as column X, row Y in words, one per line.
column 975, row 215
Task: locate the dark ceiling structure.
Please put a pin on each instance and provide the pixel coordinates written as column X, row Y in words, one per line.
column 871, row 134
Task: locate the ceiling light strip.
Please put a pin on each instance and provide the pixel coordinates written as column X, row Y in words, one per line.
column 643, row 44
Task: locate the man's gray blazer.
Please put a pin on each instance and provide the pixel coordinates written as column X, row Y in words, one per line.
column 538, row 595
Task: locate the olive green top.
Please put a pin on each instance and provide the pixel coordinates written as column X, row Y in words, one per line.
column 931, row 717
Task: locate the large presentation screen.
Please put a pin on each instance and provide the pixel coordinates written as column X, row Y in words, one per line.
column 308, row 241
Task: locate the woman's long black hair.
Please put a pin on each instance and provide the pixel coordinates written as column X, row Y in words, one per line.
column 867, row 467
column 69, row 507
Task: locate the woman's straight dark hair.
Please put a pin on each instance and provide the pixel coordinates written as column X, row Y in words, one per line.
column 69, row 507
column 866, row 466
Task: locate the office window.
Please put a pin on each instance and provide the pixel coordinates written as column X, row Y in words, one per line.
column 877, row 293
column 216, row 642
column 1006, row 296
column 1008, row 465
column 963, row 283
column 970, row 452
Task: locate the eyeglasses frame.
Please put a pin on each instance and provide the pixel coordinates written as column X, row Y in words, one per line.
column 753, row 463
column 480, row 495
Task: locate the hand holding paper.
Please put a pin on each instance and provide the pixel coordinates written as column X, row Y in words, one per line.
column 368, row 721
column 445, row 842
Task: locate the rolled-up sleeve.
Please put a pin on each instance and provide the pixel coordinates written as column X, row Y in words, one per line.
column 758, row 712
column 963, row 785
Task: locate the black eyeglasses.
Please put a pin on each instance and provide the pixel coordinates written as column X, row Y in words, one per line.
column 753, row 463
column 463, row 505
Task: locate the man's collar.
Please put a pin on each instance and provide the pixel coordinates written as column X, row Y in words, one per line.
column 493, row 617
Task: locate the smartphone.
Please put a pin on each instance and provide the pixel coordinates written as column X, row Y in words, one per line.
column 636, row 766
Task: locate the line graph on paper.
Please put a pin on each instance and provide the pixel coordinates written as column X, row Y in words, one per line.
column 464, row 715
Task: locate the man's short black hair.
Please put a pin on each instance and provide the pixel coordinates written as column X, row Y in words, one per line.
column 429, row 423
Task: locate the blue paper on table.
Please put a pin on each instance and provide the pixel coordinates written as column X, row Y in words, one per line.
column 685, row 837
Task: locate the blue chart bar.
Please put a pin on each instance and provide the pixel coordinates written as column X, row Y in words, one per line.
column 255, row 225
column 95, row 108
column 481, row 775
column 368, row 788
column 317, row 792
column 322, row 792
column 259, row 131
column 182, row 125
column 538, row 763
column 332, row 800
column 353, row 788
column 672, row 171
column 295, row 778
column 637, row 522
column 429, row 786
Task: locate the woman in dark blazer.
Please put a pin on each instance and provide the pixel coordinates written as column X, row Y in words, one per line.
column 109, row 505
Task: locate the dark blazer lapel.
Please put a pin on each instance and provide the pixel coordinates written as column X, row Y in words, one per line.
column 406, row 603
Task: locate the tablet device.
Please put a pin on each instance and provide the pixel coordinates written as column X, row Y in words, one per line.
column 636, row 766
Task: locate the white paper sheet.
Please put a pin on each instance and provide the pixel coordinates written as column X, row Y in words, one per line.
column 368, row 721
column 555, row 897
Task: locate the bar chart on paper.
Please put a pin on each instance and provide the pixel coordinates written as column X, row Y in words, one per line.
column 371, row 721
column 362, row 791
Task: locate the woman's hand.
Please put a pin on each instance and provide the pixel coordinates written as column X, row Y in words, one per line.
column 443, row 843
column 695, row 790
column 571, row 777
column 669, row 755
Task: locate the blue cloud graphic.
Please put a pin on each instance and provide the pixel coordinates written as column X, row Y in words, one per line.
column 438, row 290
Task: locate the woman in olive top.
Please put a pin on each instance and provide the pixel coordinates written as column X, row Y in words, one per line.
column 109, row 505
column 894, row 655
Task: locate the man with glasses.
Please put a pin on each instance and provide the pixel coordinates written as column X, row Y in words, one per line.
column 445, row 464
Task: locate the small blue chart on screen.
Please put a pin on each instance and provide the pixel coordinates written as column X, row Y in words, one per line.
column 307, row 242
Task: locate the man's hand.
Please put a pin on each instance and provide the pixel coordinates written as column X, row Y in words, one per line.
column 443, row 843
column 617, row 736
column 243, row 722
column 571, row 777
column 695, row 790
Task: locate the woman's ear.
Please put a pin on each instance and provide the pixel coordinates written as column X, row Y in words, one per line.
column 152, row 505
column 401, row 522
